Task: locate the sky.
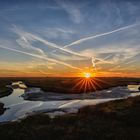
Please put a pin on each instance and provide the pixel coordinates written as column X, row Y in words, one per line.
column 69, row 37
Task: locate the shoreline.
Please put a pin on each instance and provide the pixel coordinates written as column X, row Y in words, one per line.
column 5, row 91
column 89, row 122
column 2, row 109
column 73, row 108
column 112, row 92
column 66, row 85
column 67, row 102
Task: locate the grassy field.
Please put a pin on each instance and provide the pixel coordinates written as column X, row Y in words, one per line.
column 118, row 120
column 68, row 85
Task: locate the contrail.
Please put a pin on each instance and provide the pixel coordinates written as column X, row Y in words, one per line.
column 93, row 62
column 46, row 42
column 104, row 60
column 24, row 43
column 96, row 36
column 99, row 35
column 41, row 57
column 75, row 43
column 57, row 47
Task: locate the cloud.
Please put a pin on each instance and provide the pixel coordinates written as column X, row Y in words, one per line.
column 55, row 32
column 72, row 10
column 41, row 57
column 91, row 54
column 33, row 37
column 99, row 35
column 26, row 38
column 113, row 54
column 24, row 43
column 65, row 57
column 113, row 57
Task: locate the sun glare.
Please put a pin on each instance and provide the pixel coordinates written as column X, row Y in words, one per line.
column 87, row 75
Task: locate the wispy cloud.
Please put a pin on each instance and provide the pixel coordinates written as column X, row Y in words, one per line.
column 99, row 35
column 120, row 55
column 56, row 32
column 41, row 57
column 94, row 37
column 24, row 43
column 33, row 37
column 52, row 25
column 72, row 9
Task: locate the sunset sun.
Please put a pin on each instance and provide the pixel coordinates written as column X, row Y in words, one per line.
column 87, row 75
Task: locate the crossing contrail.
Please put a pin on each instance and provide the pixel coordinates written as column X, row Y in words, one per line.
column 55, row 46
column 44, row 41
column 41, row 57
column 96, row 36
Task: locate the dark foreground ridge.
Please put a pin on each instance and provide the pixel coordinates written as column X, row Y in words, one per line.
column 117, row 120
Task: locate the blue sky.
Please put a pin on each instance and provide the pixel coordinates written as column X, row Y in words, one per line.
column 55, row 37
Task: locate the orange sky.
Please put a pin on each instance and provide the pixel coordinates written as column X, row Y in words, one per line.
column 67, row 38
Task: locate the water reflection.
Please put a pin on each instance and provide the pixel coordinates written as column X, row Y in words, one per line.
column 14, row 98
column 134, row 88
column 18, row 107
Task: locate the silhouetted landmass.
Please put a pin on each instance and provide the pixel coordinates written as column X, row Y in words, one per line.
column 118, row 120
column 2, row 109
column 68, row 85
column 5, row 91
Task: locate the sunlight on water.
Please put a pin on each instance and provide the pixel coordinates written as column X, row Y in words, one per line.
column 133, row 87
column 17, row 107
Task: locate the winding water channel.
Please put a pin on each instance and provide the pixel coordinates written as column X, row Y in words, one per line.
column 17, row 107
